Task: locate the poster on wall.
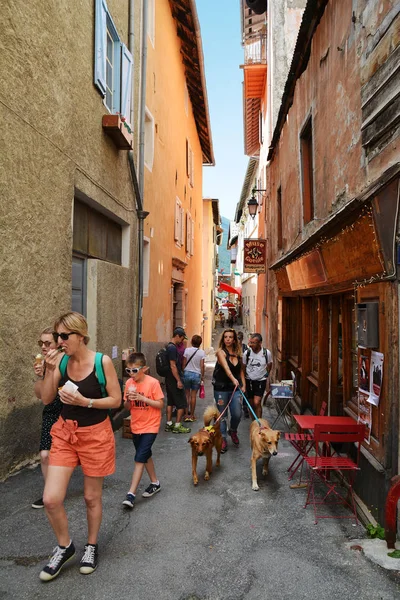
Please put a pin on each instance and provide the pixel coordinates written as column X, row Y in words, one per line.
column 363, row 373
column 375, row 377
column 365, row 414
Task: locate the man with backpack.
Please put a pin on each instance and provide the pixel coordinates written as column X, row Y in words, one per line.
column 174, row 381
column 258, row 364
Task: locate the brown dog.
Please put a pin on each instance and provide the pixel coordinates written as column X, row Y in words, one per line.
column 264, row 444
column 204, row 441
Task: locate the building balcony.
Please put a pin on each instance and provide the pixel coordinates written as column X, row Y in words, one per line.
column 255, row 80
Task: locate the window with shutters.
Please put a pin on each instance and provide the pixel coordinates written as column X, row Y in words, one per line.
column 112, row 64
column 189, row 234
column 179, row 227
column 189, row 163
column 95, row 235
column 148, row 140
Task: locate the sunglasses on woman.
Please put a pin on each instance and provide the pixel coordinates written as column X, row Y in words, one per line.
column 44, row 343
column 63, row 336
column 133, row 371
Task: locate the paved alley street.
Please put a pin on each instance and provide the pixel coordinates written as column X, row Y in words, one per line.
column 219, row 541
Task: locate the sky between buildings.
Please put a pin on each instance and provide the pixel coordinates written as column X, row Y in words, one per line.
column 223, row 53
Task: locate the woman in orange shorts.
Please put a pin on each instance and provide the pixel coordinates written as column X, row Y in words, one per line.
column 82, row 436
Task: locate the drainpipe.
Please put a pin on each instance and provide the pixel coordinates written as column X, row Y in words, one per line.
column 138, row 186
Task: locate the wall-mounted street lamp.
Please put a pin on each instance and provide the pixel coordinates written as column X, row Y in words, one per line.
column 252, row 204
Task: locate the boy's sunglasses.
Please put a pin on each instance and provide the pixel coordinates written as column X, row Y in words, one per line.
column 134, row 370
column 63, row 336
column 46, row 344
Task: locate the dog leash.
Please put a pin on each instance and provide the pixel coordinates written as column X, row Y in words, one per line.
column 226, row 407
column 252, row 411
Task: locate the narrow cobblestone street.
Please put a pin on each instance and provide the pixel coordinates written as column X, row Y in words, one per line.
column 219, row 541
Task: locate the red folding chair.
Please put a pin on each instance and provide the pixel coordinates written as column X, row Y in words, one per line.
column 322, row 465
column 302, row 442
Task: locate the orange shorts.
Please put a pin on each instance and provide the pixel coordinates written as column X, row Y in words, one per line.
column 91, row 447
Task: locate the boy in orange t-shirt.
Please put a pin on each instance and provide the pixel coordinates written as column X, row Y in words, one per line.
column 145, row 400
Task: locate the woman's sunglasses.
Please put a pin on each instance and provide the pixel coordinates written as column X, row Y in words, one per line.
column 46, row 344
column 63, row 336
column 134, row 370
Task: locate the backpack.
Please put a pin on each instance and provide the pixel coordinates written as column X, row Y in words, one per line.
column 98, row 371
column 162, row 361
column 265, row 354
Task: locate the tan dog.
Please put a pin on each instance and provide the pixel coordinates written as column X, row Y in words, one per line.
column 204, row 441
column 264, row 444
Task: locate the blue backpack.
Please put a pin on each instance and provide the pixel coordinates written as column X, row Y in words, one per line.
column 98, row 371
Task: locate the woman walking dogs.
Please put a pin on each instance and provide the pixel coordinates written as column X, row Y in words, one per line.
column 82, row 436
column 228, row 375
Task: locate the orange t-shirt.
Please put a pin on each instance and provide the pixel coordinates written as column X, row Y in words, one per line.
column 145, row 418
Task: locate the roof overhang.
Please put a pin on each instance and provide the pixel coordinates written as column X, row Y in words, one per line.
column 188, row 29
column 246, row 188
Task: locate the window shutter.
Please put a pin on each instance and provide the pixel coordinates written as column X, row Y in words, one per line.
column 182, row 224
column 192, row 237
column 191, row 168
column 177, row 217
column 188, row 223
column 126, row 82
column 100, row 42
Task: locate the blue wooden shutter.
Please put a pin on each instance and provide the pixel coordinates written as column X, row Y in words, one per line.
column 100, row 43
column 126, row 82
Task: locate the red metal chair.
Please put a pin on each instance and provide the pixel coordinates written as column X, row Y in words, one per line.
column 302, row 442
column 322, row 465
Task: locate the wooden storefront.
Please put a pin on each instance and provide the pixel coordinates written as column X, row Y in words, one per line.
column 321, row 288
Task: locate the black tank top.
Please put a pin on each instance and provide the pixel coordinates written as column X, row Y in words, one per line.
column 220, row 380
column 90, row 388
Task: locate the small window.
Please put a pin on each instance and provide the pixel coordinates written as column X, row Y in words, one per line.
column 179, row 227
column 189, row 163
column 307, row 170
column 95, row 235
column 112, row 64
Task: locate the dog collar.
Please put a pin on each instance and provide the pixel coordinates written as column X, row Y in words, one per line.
column 209, row 428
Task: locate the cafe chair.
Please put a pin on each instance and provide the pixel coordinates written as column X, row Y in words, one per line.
column 338, row 487
column 302, row 443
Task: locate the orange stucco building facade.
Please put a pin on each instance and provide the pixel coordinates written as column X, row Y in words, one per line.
column 176, row 146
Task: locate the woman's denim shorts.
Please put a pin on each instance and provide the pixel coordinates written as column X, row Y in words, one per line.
column 191, row 380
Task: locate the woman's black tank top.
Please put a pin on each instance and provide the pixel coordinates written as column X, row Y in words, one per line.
column 90, row 388
column 220, row 380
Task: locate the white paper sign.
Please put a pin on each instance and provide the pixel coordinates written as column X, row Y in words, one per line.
column 114, row 352
column 375, row 377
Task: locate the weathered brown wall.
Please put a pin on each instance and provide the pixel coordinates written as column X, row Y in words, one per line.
column 52, row 145
column 344, row 55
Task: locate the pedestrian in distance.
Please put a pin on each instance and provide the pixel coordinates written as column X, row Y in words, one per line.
column 258, row 363
column 193, row 375
column 145, row 400
column 51, row 411
column 228, row 375
column 82, row 435
column 174, row 384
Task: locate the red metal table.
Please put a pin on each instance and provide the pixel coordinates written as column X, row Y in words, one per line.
column 308, row 422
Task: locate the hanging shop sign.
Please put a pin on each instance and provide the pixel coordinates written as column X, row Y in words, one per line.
column 254, row 256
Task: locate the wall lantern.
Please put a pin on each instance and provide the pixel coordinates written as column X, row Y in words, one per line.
column 252, row 204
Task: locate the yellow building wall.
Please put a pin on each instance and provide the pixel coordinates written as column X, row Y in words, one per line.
column 167, row 180
column 209, row 249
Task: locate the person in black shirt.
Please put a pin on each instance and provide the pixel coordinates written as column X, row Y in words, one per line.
column 174, row 385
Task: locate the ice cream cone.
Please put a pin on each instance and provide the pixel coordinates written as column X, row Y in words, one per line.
column 38, row 359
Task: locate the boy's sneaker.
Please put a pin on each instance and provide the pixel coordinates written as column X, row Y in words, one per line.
column 224, row 446
column 89, row 559
column 59, row 558
column 38, row 503
column 234, row 437
column 180, row 429
column 151, row 490
column 129, row 501
column 168, row 427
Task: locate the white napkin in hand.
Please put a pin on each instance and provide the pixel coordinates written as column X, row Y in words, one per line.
column 69, row 386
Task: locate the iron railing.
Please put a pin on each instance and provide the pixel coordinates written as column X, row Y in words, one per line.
column 255, row 49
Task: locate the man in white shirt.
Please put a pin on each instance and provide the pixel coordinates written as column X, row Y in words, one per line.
column 258, row 364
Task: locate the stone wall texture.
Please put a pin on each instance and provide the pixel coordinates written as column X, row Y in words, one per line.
column 53, row 149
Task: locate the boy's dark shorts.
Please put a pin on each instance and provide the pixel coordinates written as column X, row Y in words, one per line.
column 143, row 443
column 255, row 388
column 175, row 396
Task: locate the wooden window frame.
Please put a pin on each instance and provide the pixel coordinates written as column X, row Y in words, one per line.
column 307, row 170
